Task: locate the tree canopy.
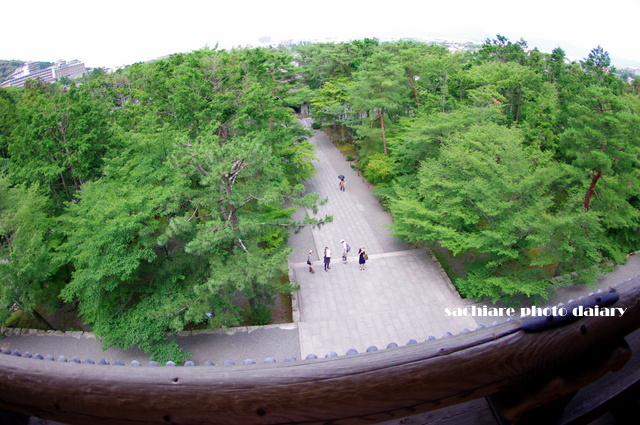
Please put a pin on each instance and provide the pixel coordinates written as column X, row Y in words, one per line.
column 159, row 196
column 521, row 165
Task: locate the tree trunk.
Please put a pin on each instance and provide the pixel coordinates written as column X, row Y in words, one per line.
column 592, row 188
column 40, row 318
column 384, row 139
column 412, row 83
column 37, row 316
column 443, row 87
column 518, row 107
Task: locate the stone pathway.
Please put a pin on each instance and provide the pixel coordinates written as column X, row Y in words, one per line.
column 399, row 297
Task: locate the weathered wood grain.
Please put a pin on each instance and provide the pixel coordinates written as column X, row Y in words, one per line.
column 359, row 389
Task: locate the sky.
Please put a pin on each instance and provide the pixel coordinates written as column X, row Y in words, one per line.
column 114, row 33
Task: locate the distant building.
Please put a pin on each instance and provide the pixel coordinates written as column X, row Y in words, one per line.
column 31, row 70
column 635, row 71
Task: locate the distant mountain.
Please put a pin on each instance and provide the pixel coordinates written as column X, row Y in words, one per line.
column 8, row 66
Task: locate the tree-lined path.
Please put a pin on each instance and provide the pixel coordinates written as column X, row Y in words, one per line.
column 400, row 296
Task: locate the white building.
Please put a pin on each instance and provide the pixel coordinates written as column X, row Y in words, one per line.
column 31, row 70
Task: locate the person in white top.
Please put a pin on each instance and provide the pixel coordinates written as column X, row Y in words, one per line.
column 310, row 261
column 345, row 250
column 327, row 258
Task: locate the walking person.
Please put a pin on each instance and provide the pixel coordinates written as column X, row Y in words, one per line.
column 345, row 249
column 327, row 258
column 341, row 184
column 362, row 257
column 310, row 262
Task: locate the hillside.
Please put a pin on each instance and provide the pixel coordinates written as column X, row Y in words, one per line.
column 8, row 66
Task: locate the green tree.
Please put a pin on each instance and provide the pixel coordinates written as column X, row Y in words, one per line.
column 489, row 196
column 599, row 71
column 331, row 103
column 26, row 243
column 321, row 62
column 420, row 138
column 110, row 242
column 602, row 142
column 523, row 92
column 59, row 140
column 428, row 69
column 9, row 99
column 380, row 92
column 501, row 49
column 189, row 214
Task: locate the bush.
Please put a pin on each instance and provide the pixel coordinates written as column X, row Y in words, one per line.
column 260, row 315
column 483, row 286
column 168, row 351
column 22, row 319
column 379, row 168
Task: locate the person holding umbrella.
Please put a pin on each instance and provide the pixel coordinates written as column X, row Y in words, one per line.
column 341, row 177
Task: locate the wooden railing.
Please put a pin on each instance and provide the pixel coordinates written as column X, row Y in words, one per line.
column 525, row 365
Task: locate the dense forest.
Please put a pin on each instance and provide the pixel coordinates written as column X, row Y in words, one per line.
column 155, row 197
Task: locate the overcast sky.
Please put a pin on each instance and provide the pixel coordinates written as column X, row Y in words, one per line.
column 118, row 32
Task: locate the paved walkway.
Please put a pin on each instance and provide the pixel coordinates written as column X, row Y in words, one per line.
column 400, row 296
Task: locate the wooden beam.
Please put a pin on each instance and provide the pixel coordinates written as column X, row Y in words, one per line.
column 365, row 388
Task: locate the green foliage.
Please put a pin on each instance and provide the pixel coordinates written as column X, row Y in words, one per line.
column 483, row 192
column 159, row 194
column 329, row 102
column 21, row 319
column 7, row 67
column 521, row 165
column 521, row 91
column 501, row 49
column 420, row 138
column 507, row 289
column 379, row 168
column 260, row 315
column 155, row 197
column 324, row 61
column 58, row 140
column 26, row 242
column 603, row 143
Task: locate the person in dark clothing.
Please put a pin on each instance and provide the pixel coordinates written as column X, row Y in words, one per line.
column 362, row 257
column 327, row 258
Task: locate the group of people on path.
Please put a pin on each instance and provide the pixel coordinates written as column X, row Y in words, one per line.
column 326, row 255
